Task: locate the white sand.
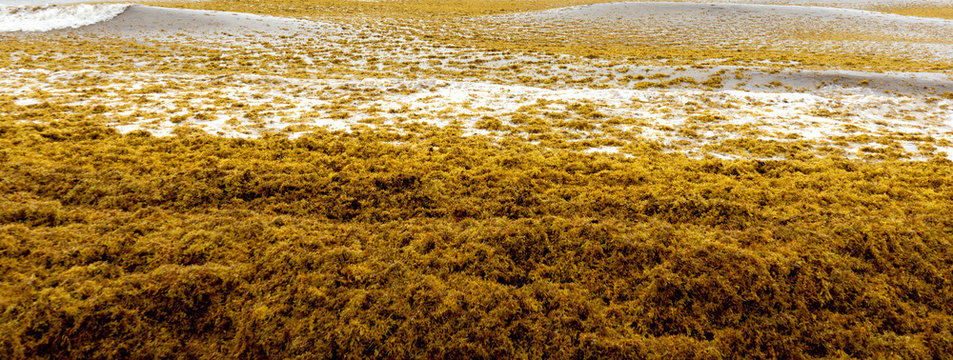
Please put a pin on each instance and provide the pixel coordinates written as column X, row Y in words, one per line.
column 140, row 21
column 732, row 22
column 731, row 25
column 847, row 4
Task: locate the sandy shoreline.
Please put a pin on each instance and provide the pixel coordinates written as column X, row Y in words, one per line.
column 387, row 79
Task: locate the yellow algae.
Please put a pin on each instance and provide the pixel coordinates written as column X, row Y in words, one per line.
column 944, row 12
column 439, row 185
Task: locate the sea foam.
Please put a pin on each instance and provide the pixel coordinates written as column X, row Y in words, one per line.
column 53, row 17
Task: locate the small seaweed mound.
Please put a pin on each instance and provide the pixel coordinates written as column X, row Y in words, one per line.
column 442, row 246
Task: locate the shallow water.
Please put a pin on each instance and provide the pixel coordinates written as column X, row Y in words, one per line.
column 45, row 17
column 42, row 2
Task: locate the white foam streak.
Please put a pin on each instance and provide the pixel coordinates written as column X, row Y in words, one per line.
column 53, row 17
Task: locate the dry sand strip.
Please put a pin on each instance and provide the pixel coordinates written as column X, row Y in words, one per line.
column 213, row 28
column 158, row 23
column 744, row 25
column 845, row 4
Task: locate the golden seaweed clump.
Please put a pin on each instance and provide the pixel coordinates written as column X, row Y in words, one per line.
column 447, row 246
